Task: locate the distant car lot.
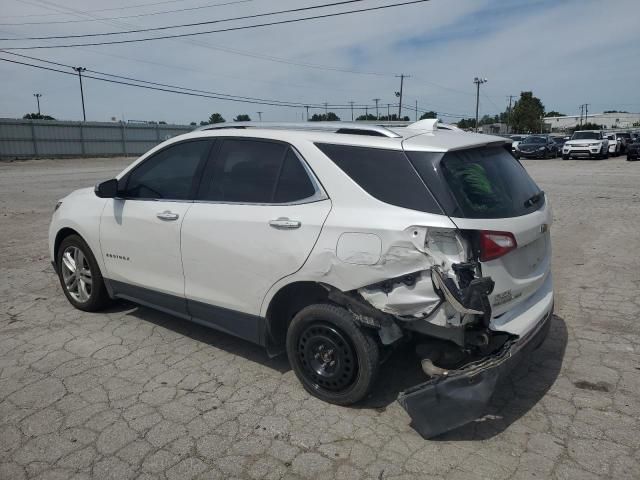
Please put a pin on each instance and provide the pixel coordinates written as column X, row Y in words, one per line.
column 132, row 392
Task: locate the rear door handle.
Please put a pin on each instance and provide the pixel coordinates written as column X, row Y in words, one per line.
column 167, row 216
column 284, row 223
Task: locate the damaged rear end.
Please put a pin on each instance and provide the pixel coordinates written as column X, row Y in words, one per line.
column 481, row 293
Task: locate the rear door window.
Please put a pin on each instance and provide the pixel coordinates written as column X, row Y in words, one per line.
column 485, row 182
column 256, row 171
column 384, row 174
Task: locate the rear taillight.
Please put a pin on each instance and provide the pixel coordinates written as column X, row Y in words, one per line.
column 495, row 244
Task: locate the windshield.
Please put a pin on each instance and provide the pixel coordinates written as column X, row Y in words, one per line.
column 586, row 136
column 534, row 140
column 624, row 135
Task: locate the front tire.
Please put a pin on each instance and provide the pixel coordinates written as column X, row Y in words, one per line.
column 565, row 157
column 334, row 359
column 80, row 276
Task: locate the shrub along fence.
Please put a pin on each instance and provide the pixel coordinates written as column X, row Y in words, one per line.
column 51, row 138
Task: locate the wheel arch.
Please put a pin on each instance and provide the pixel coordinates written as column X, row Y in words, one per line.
column 284, row 305
column 60, row 236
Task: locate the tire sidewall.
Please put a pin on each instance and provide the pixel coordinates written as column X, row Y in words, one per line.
column 342, row 320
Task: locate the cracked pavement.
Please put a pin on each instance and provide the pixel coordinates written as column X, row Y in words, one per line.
column 133, row 393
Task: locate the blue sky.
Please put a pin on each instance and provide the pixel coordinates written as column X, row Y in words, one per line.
column 568, row 52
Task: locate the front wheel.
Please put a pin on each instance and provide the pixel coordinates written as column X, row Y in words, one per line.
column 80, row 276
column 334, row 359
column 565, row 157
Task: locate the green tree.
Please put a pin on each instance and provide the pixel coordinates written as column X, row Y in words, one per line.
column 430, row 114
column 215, row 118
column 527, row 114
column 467, row 123
column 587, row 126
column 322, row 117
column 37, row 116
column 243, row 117
column 368, row 116
column 193, row 124
column 554, row 113
column 162, row 122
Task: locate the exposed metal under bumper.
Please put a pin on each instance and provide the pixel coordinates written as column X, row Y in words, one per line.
column 450, row 401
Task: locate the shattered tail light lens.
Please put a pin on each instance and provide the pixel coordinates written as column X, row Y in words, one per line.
column 495, row 244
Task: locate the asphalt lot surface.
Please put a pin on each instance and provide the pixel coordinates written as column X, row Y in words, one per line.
column 132, row 393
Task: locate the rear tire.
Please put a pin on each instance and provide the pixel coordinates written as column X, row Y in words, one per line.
column 335, row 360
column 80, row 276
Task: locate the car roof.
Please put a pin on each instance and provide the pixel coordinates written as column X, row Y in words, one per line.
column 437, row 140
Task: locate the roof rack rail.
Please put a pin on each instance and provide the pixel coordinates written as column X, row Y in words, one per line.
column 354, row 128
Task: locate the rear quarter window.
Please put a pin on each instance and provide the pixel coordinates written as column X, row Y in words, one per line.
column 384, row 174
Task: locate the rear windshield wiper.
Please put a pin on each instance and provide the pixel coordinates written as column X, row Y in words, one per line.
column 531, row 201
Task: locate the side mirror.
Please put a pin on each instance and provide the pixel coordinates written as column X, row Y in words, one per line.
column 107, row 189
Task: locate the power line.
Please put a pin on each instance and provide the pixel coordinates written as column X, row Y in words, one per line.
column 151, row 14
column 243, row 97
column 186, row 25
column 128, row 7
column 191, row 92
column 229, row 29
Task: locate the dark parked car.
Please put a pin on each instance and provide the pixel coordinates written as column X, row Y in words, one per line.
column 633, row 149
column 559, row 141
column 537, row 146
column 625, row 138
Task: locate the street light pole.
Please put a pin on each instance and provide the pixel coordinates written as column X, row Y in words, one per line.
column 80, row 70
column 259, row 115
column 351, row 103
column 478, row 82
column 38, row 95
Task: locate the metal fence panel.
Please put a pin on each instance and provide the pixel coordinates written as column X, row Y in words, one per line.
column 21, row 138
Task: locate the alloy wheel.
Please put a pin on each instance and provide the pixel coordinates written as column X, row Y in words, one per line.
column 76, row 274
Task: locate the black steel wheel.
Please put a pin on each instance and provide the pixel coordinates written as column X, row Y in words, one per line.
column 328, row 357
column 335, row 359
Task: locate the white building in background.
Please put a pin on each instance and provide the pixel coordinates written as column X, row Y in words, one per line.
column 607, row 120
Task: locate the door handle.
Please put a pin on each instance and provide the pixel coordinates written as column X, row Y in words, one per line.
column 167, row 216
column 284, row 223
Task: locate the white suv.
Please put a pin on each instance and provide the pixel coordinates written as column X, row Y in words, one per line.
column 586, row 143
column 333, row 242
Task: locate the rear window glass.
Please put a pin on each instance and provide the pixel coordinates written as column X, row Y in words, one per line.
column 485, row 182
column 384, row 174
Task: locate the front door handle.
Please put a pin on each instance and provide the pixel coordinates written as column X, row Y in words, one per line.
column 284, row 223
column 167, row 216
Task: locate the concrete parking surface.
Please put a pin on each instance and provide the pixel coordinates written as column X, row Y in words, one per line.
column 132, row 393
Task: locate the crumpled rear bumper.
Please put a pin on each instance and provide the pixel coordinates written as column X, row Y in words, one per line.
column 447, row 402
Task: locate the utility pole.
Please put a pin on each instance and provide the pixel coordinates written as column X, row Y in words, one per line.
column 259, row 115
column 581, row 112
column 307, row 107
column 511, row 97
column 38, row 95
column 351, row 103
column 388, row 112
column 402, row 76
column 366, row 112
column 416, row 110
column 377, row 114
column 586, row 113
column 80, row 70
column 478, row 82
column 326, row 113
